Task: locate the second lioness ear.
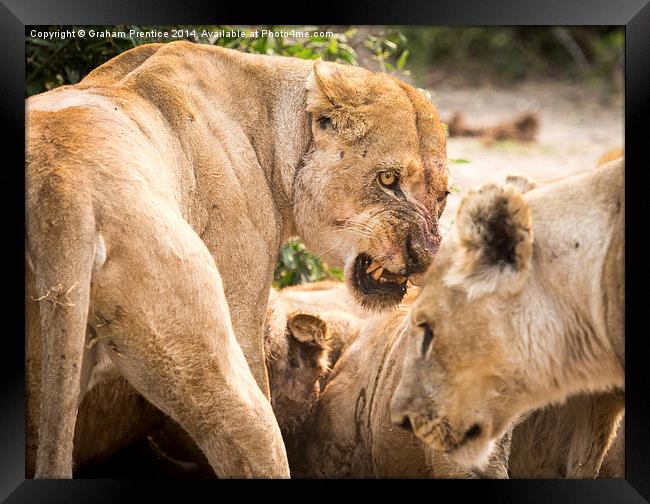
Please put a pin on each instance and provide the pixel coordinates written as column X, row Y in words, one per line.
column 335, row 98
column 495, row 238
column 522, row 182
column 308, row 328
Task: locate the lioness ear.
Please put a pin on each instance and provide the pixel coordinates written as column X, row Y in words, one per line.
column 521, row 182
column 495, row 241
column 308, row 328
column 335, row 100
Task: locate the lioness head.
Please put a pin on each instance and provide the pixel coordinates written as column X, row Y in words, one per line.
column 374, row 183
column 462, row 378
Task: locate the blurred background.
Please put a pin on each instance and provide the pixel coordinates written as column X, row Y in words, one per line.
column 541, row 101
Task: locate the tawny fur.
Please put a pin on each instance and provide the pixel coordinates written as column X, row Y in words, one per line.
column 159, row 191
column 113, row 415
column 559, row 332
column 613, row 466
column 352, row 435
column 523, row 127
column 480, row 216
column 569, row 440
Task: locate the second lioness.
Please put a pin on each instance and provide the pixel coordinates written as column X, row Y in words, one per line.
column 351, row 434
column 523, row 308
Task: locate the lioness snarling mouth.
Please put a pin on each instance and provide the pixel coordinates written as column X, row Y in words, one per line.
column 159, row 191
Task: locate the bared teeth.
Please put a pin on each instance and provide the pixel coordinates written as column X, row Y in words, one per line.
column 373, row 266
column 380, row 274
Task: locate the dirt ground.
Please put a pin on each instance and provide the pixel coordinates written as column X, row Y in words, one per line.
column 576, row 127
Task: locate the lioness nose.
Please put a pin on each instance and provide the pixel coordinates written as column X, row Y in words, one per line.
column 420, row 252
column 404, row 424
column 473, row 432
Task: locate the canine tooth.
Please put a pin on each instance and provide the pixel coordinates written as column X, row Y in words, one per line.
column 373, row 266
column 378, row 273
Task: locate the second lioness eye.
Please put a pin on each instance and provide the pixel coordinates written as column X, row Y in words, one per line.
column 388, row 179
column 427, row 338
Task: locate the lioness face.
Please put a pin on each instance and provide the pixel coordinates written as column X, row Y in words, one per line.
column 462, row 378
column 375, row 182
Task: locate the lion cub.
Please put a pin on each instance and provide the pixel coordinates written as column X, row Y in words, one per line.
column 306, row 328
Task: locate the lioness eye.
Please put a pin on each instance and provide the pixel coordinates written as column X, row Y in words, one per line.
column 324, row 122
column 427, row 338
column 443, row 197
column 388, row 179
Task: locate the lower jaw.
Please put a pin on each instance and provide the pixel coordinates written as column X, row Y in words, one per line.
column 379, row 297
column 377, row 302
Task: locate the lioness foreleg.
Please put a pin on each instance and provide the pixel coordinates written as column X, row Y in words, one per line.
column 169, row 333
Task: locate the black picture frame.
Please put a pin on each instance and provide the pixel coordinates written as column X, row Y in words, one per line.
column 15, row 15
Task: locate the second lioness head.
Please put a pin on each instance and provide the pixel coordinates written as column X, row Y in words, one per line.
column 374, row 183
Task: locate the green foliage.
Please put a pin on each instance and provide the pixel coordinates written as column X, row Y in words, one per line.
column 389, row 50
column 334, row 47
column 52, row 63
column 296, row 265
column 510, row 52
column 520, row 52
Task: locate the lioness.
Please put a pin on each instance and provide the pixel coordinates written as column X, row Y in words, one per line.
column 505, row 324
column 572, row 439
column 159, row 190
